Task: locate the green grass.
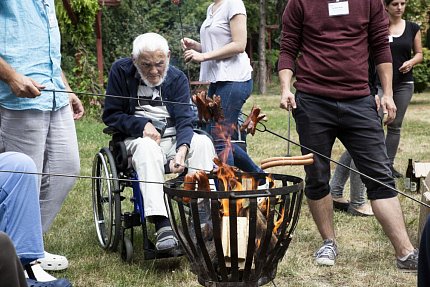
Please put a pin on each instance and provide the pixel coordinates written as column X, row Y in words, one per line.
column 366, row 256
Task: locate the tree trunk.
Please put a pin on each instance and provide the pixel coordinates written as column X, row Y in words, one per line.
column 262, row 67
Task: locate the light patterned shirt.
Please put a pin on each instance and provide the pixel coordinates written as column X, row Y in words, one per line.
column 30, row 43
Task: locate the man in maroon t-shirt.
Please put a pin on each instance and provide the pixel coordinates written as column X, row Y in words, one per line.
column 326, row 45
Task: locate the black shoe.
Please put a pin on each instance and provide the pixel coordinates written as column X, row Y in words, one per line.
column 341, row 206
column 395, row 173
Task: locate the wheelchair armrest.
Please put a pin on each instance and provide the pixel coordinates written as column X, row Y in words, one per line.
column 111, row 131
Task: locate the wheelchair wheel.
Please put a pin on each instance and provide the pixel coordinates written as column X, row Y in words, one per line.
column 106, row 200
column 126, row 250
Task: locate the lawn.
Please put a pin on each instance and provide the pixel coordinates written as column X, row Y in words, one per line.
column 366, row 256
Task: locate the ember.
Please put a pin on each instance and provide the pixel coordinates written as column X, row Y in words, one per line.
column 236, row 234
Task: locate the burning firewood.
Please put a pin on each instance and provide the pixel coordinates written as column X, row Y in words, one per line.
column 252, row 120
column 208, row 108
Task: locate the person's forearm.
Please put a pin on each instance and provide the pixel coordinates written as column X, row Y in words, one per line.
column 417, row 58
column 385, row 73
column 7, row 73
column 66, row 83
column 227, row 51
column 285, row 77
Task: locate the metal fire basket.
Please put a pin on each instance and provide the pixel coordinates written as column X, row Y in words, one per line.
column 244, row 248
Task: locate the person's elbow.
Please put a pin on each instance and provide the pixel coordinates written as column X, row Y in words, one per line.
column 240, row 47
column 419, row 57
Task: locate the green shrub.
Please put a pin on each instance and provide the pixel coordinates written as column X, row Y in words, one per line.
column 422, row 73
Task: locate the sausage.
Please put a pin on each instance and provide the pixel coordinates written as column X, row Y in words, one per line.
column 287, row 162
column 201, row 101
column 202, row 181
column 250, row 123
column 306, row 156
column 189, row 184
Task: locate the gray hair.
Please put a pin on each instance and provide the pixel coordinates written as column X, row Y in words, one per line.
column 149, row 42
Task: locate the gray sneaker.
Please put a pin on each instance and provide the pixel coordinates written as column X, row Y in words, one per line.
column 410, row 263
column 326, row 255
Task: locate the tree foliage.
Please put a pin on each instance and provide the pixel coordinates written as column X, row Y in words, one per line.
column 123, row 23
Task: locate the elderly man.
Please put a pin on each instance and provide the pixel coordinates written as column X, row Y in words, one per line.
column 327, row 45
column 154, row 114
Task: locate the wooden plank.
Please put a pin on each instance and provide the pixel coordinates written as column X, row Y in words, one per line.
column 424, row 211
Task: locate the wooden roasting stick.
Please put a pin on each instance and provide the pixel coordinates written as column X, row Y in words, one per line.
column 293, row 160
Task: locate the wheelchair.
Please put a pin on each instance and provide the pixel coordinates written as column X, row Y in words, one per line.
column 112, row 175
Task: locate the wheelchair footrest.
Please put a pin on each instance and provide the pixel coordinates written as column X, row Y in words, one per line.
column 130, row 219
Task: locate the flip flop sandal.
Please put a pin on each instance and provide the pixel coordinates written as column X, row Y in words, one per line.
column 53, row 262
column 166, row 239
column 55, row 283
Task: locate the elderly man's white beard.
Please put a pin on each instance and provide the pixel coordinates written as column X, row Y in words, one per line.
column 145, row 80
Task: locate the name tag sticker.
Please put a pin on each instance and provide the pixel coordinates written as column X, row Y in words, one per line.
column 338, row 8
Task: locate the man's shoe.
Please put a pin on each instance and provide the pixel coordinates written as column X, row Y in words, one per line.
column 53, row 262
column 166, row 239
column 410, row 263
column 326, row 255
column 55, row 283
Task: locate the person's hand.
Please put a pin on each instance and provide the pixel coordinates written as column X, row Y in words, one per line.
column 25, row 87
column 177, row 164
column 176, row 2
column 389, row 108
column 192, row 55
column 151, row 132
column 77, row 107
column 187, row 44
column 406, row 67
column 378, row 102
column 287, row 101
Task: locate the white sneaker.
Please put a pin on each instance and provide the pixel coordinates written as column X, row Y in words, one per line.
column 40, row 274
column 53, row 262
column 326, row 255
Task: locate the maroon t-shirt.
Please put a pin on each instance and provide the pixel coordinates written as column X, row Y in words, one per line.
column 329, row 54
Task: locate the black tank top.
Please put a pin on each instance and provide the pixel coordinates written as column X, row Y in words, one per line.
column 401, row 51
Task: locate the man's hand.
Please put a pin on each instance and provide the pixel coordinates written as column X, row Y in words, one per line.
column 287, row 98
column 77, row 107
column 177, row 165
column 389, row 108
column 151, row 132
column 25, row 87
column 287, row 101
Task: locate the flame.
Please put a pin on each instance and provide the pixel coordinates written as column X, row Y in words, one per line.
column 223, row 132
column 279, row 221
